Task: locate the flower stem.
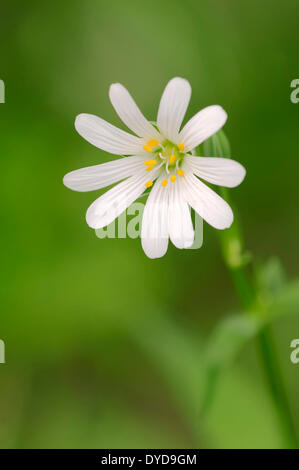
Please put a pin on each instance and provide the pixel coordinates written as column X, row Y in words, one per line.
column 232, row 241
column 236, row 260
column 267, row 348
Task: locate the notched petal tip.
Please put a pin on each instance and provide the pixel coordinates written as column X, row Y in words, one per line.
column 223, row 225
column 220, row 113
column 151, row 255
column 242, row 174
column 65, row 181
column 91, row 223
column 182, row 244
column 80, row 120
column 238, row 173
column 153, row 249
column 114, row 88
column 178, row 80
column 181, row 86
column 70, row 182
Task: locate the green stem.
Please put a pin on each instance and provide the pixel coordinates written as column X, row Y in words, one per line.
column 265, row 340
column 235, row 259
column 267, row 348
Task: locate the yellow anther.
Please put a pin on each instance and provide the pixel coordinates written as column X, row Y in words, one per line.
column 153, row 143
column 148, row 184
column 181, row 172
column 147, row 148
column 149, row 168
column 150, row 162
column 172, row 178
column 164, row 183
column 172, row 159
column 181, row 146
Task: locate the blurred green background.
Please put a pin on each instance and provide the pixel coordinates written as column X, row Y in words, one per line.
column 104, row 347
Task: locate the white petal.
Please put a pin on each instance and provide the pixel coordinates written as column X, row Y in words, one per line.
column 221, row 171
column 173, row 106
column 180, row 225
column 99, row 176
column 203, row 125
column 107, row 137
column 111, row 204
column 211, row 207
column 129, row 112
column 154, row 230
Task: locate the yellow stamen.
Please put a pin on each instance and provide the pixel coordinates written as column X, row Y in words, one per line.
column 153, row 143
column 172, row 159
column 147, row 148
column 164, row 183
column 181, row 172
column 149, row 168
column 181, row 146
column 148, row 184
column 172, row 178
column 150, row 162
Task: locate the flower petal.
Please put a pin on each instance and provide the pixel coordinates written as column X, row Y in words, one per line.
column 107, row 137
column 154, row 230
column 129, row 112
column 173, row 106
column 202, row 126
column 221, row 171
column 211, row 207
column 99, row 176
column 111, row 204
column 181, row 231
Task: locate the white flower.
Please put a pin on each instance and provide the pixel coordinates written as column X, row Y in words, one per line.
column 160, row 157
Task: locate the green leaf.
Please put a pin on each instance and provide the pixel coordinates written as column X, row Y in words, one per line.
column 286, row 303
column 277, row 297
column 232, row 334
column 270, row 279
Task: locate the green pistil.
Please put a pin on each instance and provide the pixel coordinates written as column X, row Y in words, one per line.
column 169, row 149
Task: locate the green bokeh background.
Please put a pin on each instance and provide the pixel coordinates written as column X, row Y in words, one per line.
column 103, row 345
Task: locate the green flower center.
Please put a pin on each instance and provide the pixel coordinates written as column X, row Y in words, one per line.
column 167, row 156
